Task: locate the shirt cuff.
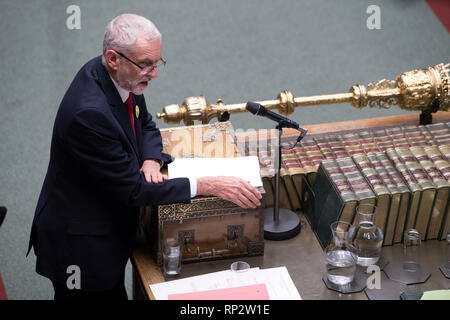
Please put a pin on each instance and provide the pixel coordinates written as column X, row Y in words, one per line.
column 193, row 183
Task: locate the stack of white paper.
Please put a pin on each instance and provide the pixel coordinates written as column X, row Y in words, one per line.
column 277, row 280
column 246, row 168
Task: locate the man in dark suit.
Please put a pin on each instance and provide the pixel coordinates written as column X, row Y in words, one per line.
column 105, row 161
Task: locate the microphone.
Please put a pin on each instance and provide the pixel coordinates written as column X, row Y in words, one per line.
column 2, row 214
column 259, row 110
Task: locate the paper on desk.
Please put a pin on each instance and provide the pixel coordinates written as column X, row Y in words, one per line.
column 209, row 281
column 436, row 295
column 246, row 168
column 251, row 292
column 277, row 280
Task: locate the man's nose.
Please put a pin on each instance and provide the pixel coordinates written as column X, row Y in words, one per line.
column 153, row 73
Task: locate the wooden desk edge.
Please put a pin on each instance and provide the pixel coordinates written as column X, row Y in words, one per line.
column 150, row 273
column 408, row 119
column 145, row 267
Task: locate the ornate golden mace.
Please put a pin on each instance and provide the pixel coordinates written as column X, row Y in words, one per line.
column 413, row 90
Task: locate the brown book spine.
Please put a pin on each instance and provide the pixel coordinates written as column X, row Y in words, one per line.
column 304, row 159
column 291, row 167
column 291, row 162
column 313, row 152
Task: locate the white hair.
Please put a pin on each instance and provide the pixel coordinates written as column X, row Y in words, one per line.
column 123, row 31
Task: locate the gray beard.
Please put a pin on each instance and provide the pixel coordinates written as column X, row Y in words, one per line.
column 130, row 86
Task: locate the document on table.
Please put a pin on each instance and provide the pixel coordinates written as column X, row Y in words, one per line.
column 277, row 280
column 246, row 168
column 251, row 292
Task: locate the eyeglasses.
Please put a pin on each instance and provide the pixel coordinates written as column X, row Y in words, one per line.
column 144, row 70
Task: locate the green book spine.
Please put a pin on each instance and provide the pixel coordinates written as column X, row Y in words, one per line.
column 367, row 168
column 404, row 195
column 334, row 200
column 413, row 185
column 391, row 185
column 443, row 165
column 442, row 192
column 428, row 189
column 356, row 180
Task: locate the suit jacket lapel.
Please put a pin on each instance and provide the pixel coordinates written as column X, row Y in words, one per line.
column 121, row 115
column 118, row 107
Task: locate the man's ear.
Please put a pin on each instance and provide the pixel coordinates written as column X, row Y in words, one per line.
column 112, row 59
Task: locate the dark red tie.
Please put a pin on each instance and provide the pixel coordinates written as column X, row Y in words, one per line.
column 129, row 105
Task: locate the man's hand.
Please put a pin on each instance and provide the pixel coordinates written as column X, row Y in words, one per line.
column 152, row 173
column 232, row 189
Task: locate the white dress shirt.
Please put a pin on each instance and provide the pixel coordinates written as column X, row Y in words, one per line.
column 124, row 95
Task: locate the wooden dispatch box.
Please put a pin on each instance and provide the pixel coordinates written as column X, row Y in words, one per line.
column 209, row 227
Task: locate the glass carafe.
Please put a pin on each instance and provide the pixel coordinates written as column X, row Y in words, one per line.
column 365, row 236
column 340, row 255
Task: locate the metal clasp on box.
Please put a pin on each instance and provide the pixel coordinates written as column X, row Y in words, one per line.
column 234, row 235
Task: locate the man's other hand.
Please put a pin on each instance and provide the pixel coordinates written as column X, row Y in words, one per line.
column 151, row 170
column 232, row 189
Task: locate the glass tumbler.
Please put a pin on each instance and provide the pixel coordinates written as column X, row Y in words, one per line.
column 412, row 240
column 171, row 257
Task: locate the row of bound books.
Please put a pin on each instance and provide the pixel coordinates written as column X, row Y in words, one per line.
column 409, row 187
column 412, row 185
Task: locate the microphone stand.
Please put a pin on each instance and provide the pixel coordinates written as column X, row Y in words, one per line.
column 281, row 223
